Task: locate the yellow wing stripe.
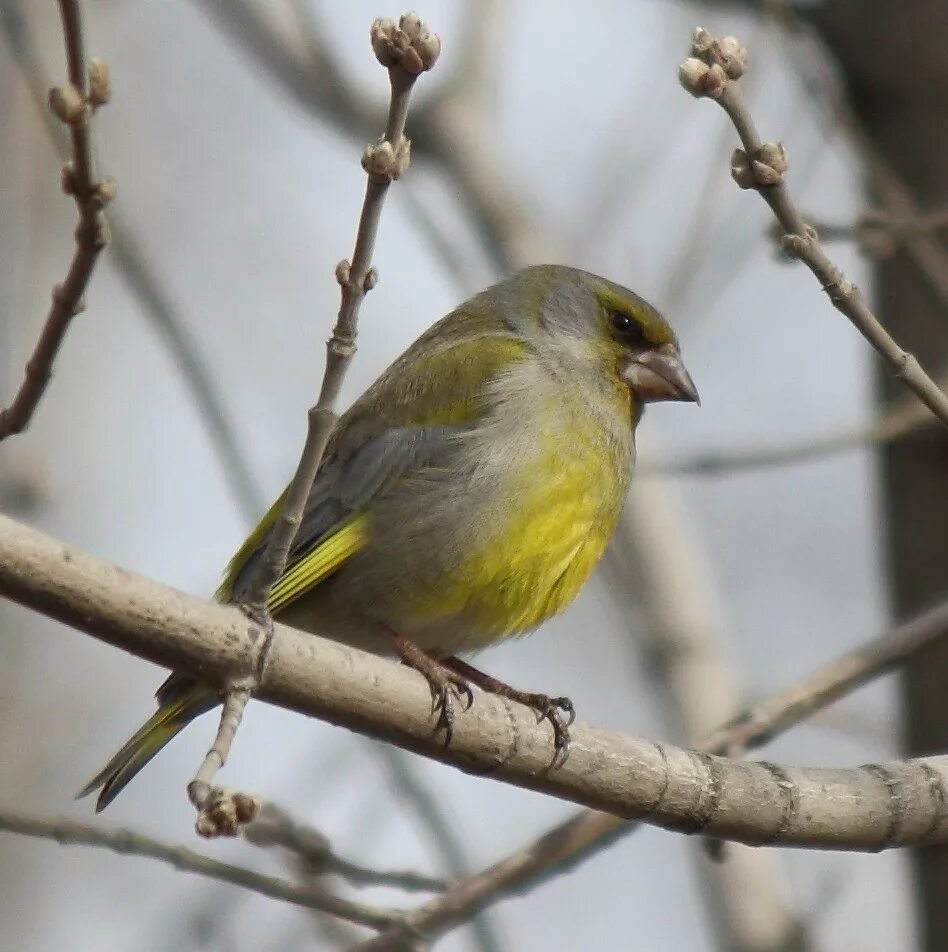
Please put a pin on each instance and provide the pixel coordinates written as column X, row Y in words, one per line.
column 317, row 564
column 226, row 590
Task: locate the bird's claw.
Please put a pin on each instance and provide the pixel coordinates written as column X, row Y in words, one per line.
column 552, row 709
column 445, row 690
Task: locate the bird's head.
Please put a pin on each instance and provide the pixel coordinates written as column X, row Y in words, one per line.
column 583, row 314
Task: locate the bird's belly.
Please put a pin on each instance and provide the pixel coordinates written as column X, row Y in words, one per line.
column 528, row 568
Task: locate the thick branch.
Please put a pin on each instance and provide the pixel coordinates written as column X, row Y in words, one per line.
column 569, row 843
column 872, row 808
column 73, row 105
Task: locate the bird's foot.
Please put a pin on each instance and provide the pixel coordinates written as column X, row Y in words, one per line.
column 447, row 687
column 559, row 711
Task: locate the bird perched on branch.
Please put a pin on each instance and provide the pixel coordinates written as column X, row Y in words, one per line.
column 466, row 496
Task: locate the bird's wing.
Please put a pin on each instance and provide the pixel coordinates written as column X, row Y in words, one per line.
column 396, row 427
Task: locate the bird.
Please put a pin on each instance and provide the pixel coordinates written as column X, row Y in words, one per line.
column 465, row 497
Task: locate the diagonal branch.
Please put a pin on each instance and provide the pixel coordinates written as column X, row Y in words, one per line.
column 313, row 851
column 870, row 808
column 713, row 72
column 563, row 847
column 74, row 104
column 128, row 842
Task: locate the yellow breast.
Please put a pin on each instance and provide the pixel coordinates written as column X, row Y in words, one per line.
column 557, row 512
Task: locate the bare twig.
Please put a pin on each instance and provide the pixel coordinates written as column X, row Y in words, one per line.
column 133, row 266
column 566, row 845
column 274, row 827
column 444, row 834
column 129, row 843
column 406, row 50
column 74, row 104
column 383, row 163
column 874, row 807
column 879, row 234
column 903, row 419
column 713, row 72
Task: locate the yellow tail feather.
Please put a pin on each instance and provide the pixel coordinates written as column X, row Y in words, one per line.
column 173, row 715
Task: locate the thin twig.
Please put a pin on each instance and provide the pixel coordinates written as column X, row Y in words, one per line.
column 181, row 858
column 134, row 266
column 74, row 105
column 275, row 827
column 406, row 50
column 383, row 164
column 443, row 832
column 879, row 234
column 712, row 72
column 567, row 844
column 903, row 419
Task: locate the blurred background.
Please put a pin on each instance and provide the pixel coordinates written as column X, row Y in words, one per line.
column 547, row 132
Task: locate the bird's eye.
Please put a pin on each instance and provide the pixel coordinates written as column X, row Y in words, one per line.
column 627, row 329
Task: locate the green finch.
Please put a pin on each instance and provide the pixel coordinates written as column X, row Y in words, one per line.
column 466, row 496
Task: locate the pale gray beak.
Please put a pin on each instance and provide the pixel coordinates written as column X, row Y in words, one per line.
column 659, row 374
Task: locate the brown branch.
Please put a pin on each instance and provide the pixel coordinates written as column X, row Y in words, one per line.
column 383, row 163
column 713, row 72
column 74, row 104
column 567, row 844
column 875, row 807
column 406, row 50
column 129, row 843
column 274, row 827
column 134, row 267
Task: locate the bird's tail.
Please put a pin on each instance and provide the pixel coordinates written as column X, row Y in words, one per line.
column 180, row 700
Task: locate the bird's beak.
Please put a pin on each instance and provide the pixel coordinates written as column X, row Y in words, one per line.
column 659, row 374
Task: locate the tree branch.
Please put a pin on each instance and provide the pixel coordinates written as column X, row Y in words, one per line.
column 569, row 843
column 904, row 418
column 74, row 104
column 133, row 265
column 274, row 827
column 406, row 50
column 874, row 807
column 127, row 842
column 713, row 72
column 383, row 163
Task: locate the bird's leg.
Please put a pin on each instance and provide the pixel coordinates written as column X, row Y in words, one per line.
column 446, row 685
column 551, row 709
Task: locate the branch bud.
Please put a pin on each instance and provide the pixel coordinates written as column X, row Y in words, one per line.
column 105, row 192
column 770, row 163
column 692, row 75
column 68, row 105
column 410, row 43
column 382, row 37
column 702, row 80
column 732, row 55
column 741, row 171
column 701, row 42
column 100, row 83
column 343, row 273
column 384, row 162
